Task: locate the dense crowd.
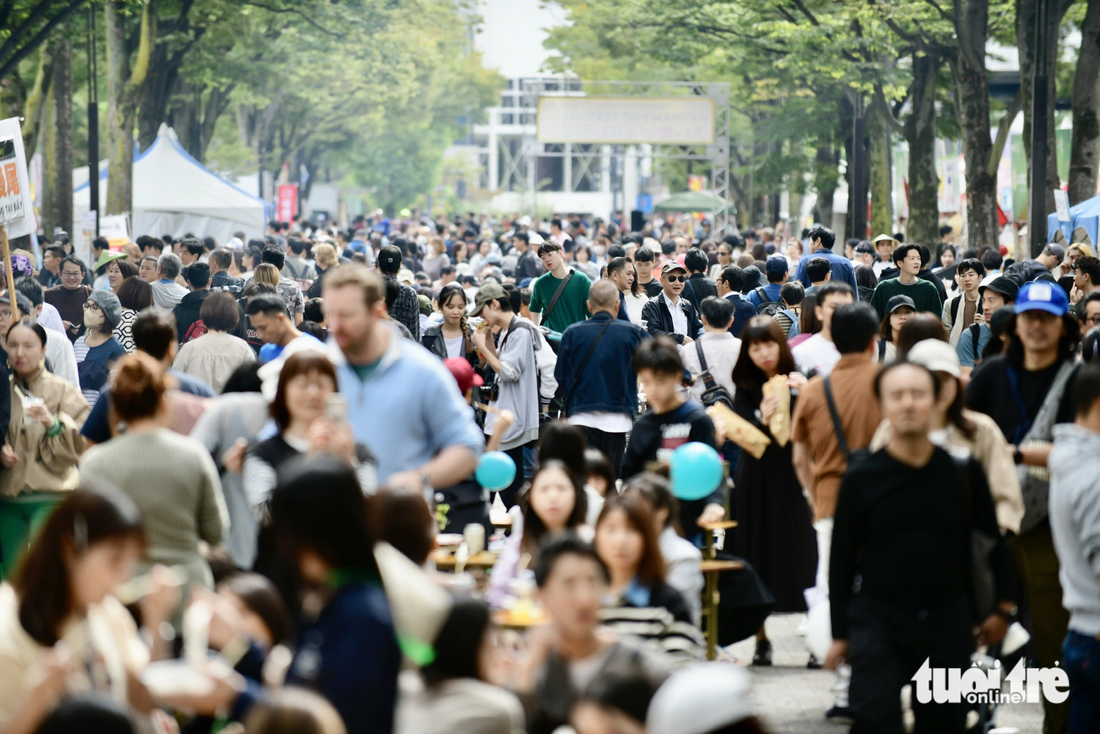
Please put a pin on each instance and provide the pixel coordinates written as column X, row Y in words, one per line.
column 237, row 476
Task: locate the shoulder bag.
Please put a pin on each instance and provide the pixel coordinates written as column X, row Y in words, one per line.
column 584, row 363
column 554, row 301
column 714, row 393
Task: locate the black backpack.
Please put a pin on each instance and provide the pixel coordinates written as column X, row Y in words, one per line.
column 714, row 393
column 767, row 306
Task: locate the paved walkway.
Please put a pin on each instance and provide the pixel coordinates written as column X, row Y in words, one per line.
column 792, row 699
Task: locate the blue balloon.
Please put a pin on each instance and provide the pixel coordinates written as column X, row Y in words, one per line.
column 696, row 471
column 495, row 471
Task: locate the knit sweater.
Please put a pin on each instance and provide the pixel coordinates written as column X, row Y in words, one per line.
column 175, row 484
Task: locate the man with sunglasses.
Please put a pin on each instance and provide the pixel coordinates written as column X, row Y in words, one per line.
column 69, row 297
column 668, row 313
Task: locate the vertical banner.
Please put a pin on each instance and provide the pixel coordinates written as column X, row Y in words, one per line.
column 16, row 203
column 287, row 204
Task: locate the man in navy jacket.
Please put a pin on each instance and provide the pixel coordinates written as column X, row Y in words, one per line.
column 601, row 391
column 840, row 267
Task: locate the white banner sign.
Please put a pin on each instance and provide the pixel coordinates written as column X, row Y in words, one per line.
column 16, row 204
column 17, row 207
column 626, row 120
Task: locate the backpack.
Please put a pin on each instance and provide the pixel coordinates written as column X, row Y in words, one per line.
column 714, row 393
column 767, row 306
column 194, row 331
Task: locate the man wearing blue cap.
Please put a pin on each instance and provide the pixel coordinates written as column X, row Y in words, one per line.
column 1027, row 390
column 776, row 270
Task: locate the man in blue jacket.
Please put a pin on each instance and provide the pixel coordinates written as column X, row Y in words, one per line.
column 594, row 370
column 840, row 267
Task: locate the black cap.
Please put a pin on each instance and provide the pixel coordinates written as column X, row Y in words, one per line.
column 389, row 260
column 1004, row 285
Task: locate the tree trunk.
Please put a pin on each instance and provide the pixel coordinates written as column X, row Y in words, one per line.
column 1084, row 156
column 123, row 92
column 37, row 98
column 920, row 132
column 1025, row 44
column 156, row 95
column 882, row 206
column 972, row 102
column 57, row 195
column 825, row 179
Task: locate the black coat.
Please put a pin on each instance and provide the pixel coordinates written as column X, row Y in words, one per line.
column 698, row 288
column 658, row 319
column 187, row 312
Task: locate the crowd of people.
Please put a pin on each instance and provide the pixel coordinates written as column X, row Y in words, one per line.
column 231, row 473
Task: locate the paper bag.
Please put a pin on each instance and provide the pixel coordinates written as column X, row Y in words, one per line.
column 739, row 430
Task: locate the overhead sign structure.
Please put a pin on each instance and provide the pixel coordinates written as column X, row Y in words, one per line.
column 626, row 120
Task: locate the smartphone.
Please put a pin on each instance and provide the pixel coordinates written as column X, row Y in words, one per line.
column 336, row 408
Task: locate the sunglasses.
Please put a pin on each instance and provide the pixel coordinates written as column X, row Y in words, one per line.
column 677, row 278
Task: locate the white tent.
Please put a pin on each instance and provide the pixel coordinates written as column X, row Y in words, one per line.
column 175, row 194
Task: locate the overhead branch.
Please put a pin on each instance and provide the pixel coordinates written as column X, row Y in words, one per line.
column 887, row 114
column 943, row 13
column 1003, row 128
column 11, row 60
column 297, row 12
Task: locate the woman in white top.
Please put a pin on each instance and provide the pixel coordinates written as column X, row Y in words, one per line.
column 217, row 354
column 62, row 592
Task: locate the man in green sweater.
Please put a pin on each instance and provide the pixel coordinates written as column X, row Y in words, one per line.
column 907, row 258
column 572, row 305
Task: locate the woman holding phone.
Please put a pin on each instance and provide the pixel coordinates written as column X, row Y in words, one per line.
column 312, row 418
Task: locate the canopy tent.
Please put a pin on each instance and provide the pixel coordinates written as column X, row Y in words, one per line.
column 1053, row 225
column 175, row 194
column 1087, row 218
column 690, row 201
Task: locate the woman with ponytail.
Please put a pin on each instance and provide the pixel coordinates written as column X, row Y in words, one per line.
column 170, row 477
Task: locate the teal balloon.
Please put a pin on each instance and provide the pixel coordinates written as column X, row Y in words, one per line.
column 696, row 471
column 495, row 471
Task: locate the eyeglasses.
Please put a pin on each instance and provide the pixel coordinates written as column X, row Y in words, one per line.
column 677, row 278
column 70, row 273
column 1094, row 320
column 90, row 306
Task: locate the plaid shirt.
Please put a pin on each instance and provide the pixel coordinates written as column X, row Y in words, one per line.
column 406, row 310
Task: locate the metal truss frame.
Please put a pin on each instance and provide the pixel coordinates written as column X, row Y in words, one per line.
column 718, row 153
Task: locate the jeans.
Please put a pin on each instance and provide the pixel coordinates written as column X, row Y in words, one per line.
column 1081, row 660
column 612, row 445
column 1037, row 567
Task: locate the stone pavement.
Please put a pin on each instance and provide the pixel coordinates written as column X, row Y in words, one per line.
column 792, row 699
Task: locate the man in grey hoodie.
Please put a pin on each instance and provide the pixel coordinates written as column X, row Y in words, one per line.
column 167, row 293
column 1075, row 523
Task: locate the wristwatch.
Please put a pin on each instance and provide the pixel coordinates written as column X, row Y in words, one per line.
column 1009, row 616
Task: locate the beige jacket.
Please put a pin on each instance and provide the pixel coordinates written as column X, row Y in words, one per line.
column 45, row 463
column 991, row 450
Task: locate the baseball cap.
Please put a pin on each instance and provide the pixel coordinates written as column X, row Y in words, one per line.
column 488, row 292
column 1042, row 296
column 534, row 238
column 524, row 221
column 776, row 265
column 389, row 259
column 936, row 355
column 464, row 374
column 672, row 265
column 897, row 302
column 865, row 248
column 702, row 698
column 1006, row 286
column 1057, row 250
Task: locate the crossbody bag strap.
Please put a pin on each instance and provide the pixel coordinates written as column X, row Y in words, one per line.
column 584, row 363
column 708, row 379
column 557, row 294
column 841, row 439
